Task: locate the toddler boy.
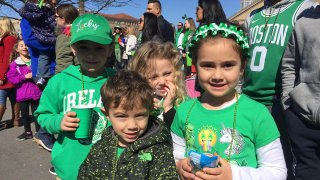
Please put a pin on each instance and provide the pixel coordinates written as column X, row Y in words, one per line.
column 137, row 146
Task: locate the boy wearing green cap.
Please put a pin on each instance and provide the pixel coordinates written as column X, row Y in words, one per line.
column 91, row 42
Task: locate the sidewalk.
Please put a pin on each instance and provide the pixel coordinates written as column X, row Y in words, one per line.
column 22, row 160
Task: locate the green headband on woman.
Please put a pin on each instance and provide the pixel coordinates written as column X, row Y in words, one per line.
column 225, row 30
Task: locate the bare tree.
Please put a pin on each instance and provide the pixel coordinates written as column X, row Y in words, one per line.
column 81, row 7
column 11, row 8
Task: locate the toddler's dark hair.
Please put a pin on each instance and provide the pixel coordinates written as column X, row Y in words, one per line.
column 128, row 89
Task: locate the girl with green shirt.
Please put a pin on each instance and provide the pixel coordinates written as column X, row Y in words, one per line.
column 222, row 122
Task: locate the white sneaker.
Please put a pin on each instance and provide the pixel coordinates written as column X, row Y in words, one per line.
column 40, row 81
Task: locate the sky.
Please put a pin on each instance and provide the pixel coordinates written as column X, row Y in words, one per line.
column 173, row 10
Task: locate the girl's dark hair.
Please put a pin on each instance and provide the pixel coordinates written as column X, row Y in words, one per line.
column 150, row 27
column 68, row 12
column 212, row 11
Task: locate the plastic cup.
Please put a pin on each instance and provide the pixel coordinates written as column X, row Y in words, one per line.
column 84, row 113
column 199, row 161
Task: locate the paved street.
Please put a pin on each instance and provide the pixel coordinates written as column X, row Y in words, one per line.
column 22, row 160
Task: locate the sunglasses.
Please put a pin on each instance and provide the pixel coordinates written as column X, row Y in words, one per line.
column 179, row 24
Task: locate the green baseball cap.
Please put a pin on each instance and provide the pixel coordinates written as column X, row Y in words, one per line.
column 91, row 27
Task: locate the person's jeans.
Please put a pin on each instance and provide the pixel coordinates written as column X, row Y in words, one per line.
column 305, row 141
column 118, row 54
column 3, row 97
column 278, row 115
column 43, row 69
column 10, row 93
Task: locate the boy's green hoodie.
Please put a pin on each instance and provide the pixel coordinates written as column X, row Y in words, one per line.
column 63, row 91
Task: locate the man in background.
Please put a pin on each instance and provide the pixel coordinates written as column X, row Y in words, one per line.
column 165, row 28
column 178, row 32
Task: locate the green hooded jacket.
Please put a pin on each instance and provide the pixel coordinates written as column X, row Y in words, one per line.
column 149, row 157
column 62, row 92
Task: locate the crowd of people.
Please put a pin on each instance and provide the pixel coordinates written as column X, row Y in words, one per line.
column 247, row 94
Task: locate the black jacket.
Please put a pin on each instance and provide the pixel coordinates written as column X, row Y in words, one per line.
column 165, row 29
column 149, row 157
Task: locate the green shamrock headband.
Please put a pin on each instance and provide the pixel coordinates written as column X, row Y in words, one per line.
column 223, row 29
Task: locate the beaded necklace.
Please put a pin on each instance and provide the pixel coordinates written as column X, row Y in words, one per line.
column 233, row 128
column 82, row 86
column 266, row 24
column 83, row 101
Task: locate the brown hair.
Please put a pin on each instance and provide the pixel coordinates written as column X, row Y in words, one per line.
column 68, row 12
column 192, row 24
column 14, row 54
column 145, row 57
column 127, row 89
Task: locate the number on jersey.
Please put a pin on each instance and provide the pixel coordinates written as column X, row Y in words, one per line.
column 259, row 65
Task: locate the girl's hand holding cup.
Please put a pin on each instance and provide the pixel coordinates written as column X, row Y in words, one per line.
column 223, row 172
column 184, row 169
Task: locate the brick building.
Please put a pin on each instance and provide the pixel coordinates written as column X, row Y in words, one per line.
column 122, row 20
column 248, row 7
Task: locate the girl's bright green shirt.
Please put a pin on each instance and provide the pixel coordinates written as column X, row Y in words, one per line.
column 63, row 91
column 210, row 131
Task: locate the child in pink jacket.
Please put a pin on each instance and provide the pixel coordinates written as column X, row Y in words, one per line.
column 28, row 93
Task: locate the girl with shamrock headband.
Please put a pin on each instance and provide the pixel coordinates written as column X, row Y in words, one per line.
column 239, row 130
